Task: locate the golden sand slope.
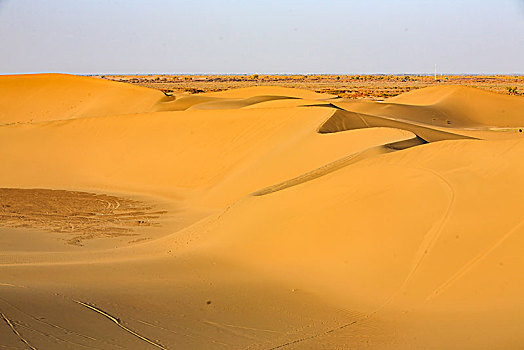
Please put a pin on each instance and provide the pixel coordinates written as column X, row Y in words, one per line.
column 42, row 97
column 294, row 220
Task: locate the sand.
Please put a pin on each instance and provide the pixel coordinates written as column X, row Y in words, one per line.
column 258, row 218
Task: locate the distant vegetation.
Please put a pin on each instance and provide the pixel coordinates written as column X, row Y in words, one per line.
column 377, row 87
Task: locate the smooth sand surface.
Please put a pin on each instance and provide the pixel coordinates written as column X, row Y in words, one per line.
column 258, row 218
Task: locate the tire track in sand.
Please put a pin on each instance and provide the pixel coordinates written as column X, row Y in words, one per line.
column 119, row 324
column 15, row 331
column 431, row 237
column 473, row 262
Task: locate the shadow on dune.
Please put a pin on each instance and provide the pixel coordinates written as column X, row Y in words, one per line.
column 343, row 120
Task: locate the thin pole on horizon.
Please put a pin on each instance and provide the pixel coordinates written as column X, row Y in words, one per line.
column 435, row 71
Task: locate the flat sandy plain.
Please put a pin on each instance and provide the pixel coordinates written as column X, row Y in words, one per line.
column 258, row 218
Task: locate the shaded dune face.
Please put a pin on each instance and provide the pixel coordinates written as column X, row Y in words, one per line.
column 262, row 218
column 347, row 120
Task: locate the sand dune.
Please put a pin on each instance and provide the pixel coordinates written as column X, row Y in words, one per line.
column 43, row 97
column 261, row 218
column 449, row 106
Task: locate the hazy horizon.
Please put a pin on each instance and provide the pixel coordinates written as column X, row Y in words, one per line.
column 265, row 37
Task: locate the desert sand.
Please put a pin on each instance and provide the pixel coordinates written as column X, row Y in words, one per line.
column 258, row 218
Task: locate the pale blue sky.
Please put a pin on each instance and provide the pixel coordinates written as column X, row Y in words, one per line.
column 256, row 36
